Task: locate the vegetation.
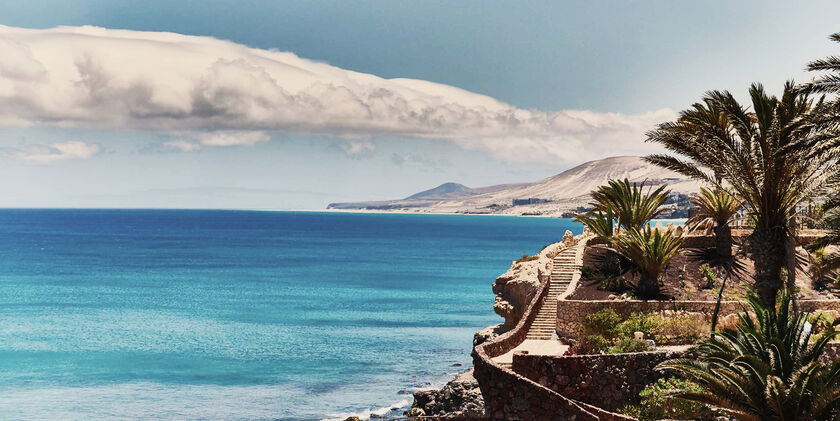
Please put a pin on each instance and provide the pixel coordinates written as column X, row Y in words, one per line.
column 715, row 208
column 600, row 222
column 657, row 402
column 602, row 323
column 650, row 251
column 765, row 154
column 830, row 82
column 623, row 345
column 632, row 206
column 526, row 258
column 606, row 331
column 766, row 370
column 709, row 275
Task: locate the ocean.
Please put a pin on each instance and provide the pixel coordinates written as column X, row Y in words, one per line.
column 194, row 314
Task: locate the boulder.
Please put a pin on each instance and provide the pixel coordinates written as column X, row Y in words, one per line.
column 461, row 397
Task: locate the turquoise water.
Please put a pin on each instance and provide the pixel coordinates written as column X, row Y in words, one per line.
column 110, row 314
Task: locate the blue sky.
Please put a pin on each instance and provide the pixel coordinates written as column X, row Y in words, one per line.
column 626, row 65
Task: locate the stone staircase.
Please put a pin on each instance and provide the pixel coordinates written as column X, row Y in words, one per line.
column 562, row 269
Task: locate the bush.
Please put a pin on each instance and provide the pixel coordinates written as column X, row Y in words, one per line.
column 822, row 321
column 603, row 323
column 587, row 272
column 614, row 283
column 638, row 322
column 681, row 329
column 588, row 345
column 675, row 329
column 656, row 404
column 709, row 275
column 629, row 345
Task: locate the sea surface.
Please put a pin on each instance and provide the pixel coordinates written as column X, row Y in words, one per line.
column 181, row 314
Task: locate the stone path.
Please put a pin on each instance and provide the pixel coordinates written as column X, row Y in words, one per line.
column 540, row 339
column 562, row 269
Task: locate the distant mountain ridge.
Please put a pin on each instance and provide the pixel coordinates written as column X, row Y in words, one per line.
column 439, row 191
column 552, row 196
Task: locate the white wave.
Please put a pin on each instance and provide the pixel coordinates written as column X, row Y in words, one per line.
column 365, row 415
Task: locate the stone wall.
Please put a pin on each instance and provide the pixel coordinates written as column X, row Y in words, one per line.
column 570, row 313
column 607, row 381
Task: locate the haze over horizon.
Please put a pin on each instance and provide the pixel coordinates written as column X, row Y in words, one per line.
column 287, row 106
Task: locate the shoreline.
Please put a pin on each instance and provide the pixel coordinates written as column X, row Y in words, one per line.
column 404, row 212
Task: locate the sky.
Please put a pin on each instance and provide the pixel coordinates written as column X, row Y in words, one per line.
column 293, row 105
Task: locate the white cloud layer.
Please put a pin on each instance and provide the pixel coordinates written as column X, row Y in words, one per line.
column 358, row 147
column 226, row 94
column 60, row 151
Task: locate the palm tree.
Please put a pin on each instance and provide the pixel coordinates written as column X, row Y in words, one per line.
column 716, row 208
column 633, row 207
column 822, row 261
column 829, row 83
column 650, row 250
column 600, row 222
column 764, row 154
column 767, row 370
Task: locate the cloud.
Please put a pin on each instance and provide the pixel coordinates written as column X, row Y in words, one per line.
column 356, row 148
column 412, row 159
column 60, row 151
column 219, row 91
column 182, row 145
column 233, row 138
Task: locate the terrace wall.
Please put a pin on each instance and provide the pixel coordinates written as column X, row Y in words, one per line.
column 607, row 381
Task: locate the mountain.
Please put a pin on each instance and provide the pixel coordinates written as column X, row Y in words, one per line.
column 440, row 191
column 553, row 196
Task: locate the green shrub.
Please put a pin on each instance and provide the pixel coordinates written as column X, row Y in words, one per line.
column 656, row 404
column 629, row 345
column 588, row 345
column 676, row 329
column 709, row 275
column 639, row 322
column 680, row 329
column 821, row 321
column 587, row 272
column 603, row 323
column 614, row 283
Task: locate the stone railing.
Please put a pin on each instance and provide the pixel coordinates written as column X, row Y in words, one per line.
column 570, row 313
column 607, row 381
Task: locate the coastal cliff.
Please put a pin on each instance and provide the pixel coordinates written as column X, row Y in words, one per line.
column 516, row 288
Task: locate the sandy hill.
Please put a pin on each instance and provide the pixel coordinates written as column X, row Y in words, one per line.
column 552, row 196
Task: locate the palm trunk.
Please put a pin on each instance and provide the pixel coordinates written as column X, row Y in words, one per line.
column 612, row 262
column 723, row 240
column 767, row 247
column 717, row 304
column 791, row 263
column 648, row 287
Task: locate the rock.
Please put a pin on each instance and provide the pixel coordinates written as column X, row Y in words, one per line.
column 352, row 419
column 415, row 412
column 457, row 365
column 568, row 239
column 404, row 392
column 461, row 397
column 516, row 288
column 488, row 333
